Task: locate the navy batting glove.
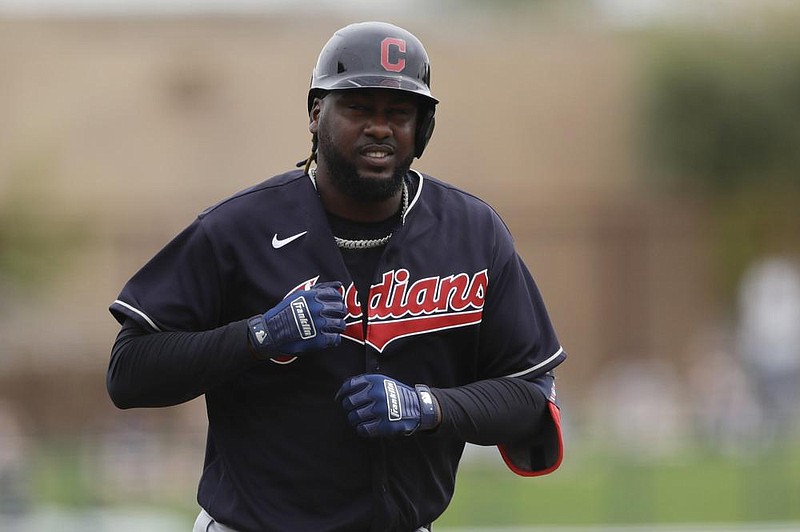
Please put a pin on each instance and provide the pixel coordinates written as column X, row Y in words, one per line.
column 379, row 406
column 307, row 320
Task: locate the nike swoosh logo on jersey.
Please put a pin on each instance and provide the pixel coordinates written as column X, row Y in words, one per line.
column 278, row 243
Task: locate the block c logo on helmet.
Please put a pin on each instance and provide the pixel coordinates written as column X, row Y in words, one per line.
column 386, row 62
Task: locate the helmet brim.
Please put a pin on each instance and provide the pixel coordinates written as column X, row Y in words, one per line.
column 399, row 82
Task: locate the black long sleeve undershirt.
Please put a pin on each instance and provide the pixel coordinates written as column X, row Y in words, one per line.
column 168, row 368
column 487, row 412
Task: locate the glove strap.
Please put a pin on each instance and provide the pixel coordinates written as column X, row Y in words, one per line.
column 259, row 336
column 427, row 407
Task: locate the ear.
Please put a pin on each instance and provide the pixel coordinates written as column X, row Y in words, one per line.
column 313, row 116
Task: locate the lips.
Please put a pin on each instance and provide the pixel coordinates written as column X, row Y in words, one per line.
column 377, row 151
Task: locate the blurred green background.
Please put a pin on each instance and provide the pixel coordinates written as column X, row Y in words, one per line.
column 646, row 156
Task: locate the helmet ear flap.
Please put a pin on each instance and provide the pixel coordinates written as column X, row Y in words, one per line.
column 424, row 130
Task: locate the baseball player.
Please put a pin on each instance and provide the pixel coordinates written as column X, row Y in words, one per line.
column 351, row 323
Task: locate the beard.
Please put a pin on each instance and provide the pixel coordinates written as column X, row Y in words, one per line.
column 345, row 177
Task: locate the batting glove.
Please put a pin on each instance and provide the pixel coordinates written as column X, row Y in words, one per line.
column 379, row 406
column 307, row 320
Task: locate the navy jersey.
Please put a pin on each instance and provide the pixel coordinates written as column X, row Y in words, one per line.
column 451, row 303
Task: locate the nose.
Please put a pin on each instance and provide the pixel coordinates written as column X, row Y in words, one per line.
column 378, row 126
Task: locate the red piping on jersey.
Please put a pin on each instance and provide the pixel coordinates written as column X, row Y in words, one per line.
column 555, row 413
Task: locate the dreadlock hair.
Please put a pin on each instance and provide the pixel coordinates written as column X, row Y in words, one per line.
column 306, row 163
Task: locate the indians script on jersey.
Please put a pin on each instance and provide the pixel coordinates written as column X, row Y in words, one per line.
column 399, row 307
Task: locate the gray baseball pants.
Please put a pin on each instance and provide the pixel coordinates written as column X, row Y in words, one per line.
column 206, row 523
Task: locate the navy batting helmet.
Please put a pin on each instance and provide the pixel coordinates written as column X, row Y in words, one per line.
column 377, row 55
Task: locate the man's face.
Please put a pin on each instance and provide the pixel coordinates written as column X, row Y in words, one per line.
column 366, row 140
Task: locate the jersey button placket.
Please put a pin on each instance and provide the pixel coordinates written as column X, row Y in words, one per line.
column 372, row 359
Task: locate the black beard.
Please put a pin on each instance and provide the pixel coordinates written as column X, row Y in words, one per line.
column 348, row 181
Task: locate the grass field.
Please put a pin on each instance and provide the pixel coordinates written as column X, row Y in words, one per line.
column 597, row 488
column 592, row 491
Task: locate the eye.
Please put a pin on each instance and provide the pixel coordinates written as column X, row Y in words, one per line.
column 403, row 113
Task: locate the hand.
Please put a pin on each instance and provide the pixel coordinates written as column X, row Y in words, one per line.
column 379, row 406
column 307, row 320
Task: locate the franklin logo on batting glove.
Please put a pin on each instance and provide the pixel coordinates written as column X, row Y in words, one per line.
column 302, row 318
column 395, row 412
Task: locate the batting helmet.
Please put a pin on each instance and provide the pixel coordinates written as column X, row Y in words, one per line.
column 377, row 55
